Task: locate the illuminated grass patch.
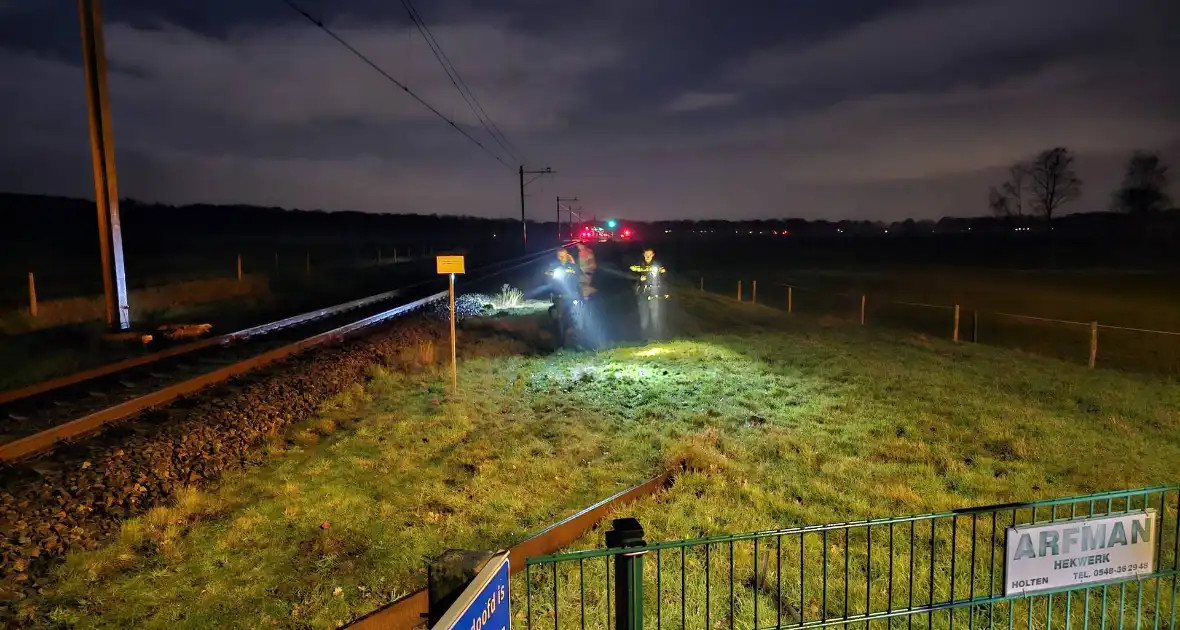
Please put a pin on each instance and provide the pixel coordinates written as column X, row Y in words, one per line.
column 774, row 424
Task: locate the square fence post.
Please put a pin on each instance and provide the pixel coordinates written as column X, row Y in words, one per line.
column 754, row 292
column 1093, row 344
column 790, row 299
column 955, row 334
column 627, row 532
column 862, row 309
column 739, row 293
column 32, row 296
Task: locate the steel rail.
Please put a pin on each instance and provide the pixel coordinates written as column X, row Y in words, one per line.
column 35, row 389
column 410, row 611
column 37, row 443
column 43, row 387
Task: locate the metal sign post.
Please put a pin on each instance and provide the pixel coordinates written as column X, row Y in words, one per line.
column 451, row 265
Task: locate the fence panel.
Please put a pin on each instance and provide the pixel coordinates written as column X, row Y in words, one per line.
column 933, row 570
column 1117, row 347
column 933, row 320
column 1136, row 349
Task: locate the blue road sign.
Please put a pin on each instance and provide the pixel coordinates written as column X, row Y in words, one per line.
column 484, row 603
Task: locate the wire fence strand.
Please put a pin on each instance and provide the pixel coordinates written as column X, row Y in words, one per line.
column 1129, row 348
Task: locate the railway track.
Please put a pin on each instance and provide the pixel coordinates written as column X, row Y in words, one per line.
column 39, row 418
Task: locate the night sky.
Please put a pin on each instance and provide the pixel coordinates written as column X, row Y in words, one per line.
column 648, row 109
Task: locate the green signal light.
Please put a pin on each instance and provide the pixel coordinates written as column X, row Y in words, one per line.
column 612, row 223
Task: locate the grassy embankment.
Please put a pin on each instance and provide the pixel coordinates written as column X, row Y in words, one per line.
column 778, row 422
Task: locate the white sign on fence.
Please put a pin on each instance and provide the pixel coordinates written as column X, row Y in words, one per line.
column 1077, row 552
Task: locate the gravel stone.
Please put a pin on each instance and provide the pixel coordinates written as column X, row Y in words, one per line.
column 75, row 497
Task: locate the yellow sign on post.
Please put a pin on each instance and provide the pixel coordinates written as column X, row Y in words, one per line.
column 451, row 265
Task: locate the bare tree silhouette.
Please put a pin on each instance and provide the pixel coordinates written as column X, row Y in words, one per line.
column 1052, row 181
column 1014, row 188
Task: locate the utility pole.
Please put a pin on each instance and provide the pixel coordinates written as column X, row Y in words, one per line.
column 524, row 230
column 559, row 200
column 102, row 152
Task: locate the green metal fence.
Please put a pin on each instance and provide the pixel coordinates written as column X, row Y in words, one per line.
column 933, row 570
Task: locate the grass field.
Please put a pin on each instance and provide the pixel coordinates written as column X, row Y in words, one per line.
column 777, row 422
column 1127, row 298
column 993, row 303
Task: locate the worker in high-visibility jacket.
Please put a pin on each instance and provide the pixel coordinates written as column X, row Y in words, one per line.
column 565, row 288
column 564, row 277
column 588, row 265
column 651, row 291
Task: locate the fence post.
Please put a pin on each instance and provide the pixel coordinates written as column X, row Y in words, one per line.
column 1093, row 344
column 239, row 267
column 627, row 532
column 276, row 261
column 974, row 326
column 395, row 255
column 955, row 336
column 32, row 295
column 702, row 283
column 862, row 310
column 739, row 290
column 790, row 299
column 378, row 255
column 754, row 292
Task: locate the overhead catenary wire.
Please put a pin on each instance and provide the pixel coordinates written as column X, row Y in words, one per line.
column 461, row 86
column 405, row 88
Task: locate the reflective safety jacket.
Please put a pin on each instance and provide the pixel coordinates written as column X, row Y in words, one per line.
column 586, row 261
column 649, row 277
column 565, row 278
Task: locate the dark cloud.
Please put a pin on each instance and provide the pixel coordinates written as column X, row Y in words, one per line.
column 647, row 108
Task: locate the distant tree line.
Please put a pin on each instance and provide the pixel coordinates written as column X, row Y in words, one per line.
column 1033, row 195
column 1041, row 186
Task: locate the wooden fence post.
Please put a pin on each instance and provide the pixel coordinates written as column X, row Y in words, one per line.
column 1093, row 344
column 790, row 299
column 974, row 326
column 239, row 267
column 754, row 292
column 955, row 335
column 702, row 283
column 862, row 310
column 739, row 290
column 32, row 295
